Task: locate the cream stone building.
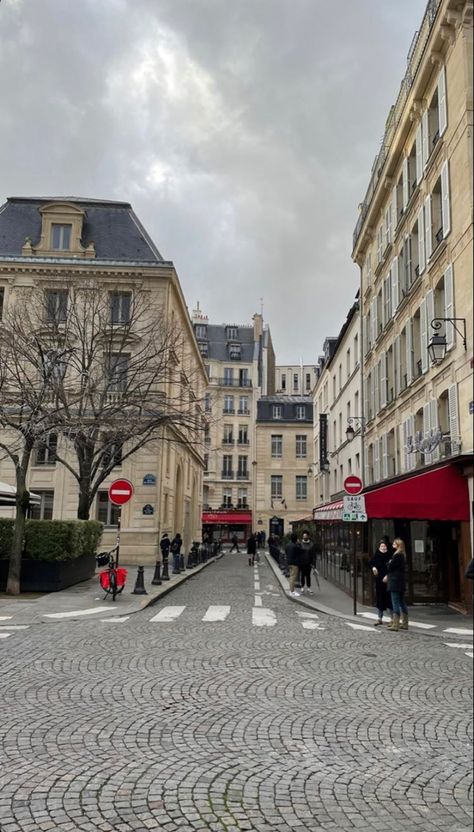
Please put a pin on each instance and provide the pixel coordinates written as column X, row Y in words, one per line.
column 295, row 379
column 241, row 366
column 414, row 245
column 283, row 477
column 49, row 246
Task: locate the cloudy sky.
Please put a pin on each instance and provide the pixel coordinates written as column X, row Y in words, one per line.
column 242, row 132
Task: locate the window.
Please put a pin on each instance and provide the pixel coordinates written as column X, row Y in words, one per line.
column 234, row 351
column 411, row 172
column 228, row 404
column 276, row 487
column 61, row 237
column 206, row 462
column 107, row 513
column 277, row 411
column 348, row 363
column 228, row 438
column 116, row 370
column 283, row 381
column 203, row 348
column 295, row 382
column 227, row 472
column 242, row 468
column 112, row 454
column 243, row 404
column 2, row 300
column 308, row 382
column 243, row 435
column 301, row 446
column 242, row 498
column 228, row 376
column 46, row 451
column 301, row 488
column 207, row 403
column 201, row 331
column 277, row 446
column 56, row 305
column 227, row 497
column 244, row 378
column 300, row 411
column 43, row 511
column 120, row 304
column 339, row 373
column 232, row 333
column 356, row 350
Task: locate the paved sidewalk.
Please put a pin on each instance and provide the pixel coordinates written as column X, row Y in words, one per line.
column 430, row 619
column 88, row 599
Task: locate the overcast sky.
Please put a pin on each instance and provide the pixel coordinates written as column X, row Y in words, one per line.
column 242, row 131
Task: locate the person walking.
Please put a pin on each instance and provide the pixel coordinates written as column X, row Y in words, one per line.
column 307, row 562
column 293, row 555
column 378, row 564
column 251, row 549
column 175, row 547
column 395, row 580
column 235, row 543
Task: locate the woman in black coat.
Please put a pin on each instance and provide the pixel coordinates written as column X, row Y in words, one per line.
column 396, row 584
column 378, row 564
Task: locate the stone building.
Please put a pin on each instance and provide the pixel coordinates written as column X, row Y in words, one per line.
column 50, row 246
column 295, row 379
column 414, row 246
column 241, row 366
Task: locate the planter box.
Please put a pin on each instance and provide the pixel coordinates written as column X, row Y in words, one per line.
column 50, row 576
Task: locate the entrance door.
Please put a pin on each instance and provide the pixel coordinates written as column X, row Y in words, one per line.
column 276, row 526
column 433, row 561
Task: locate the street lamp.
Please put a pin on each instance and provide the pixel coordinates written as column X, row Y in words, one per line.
column 437, row 345
column 359, row 422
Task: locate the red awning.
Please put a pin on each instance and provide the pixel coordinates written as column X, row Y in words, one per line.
column 440, row 494
column 226, row 517
column 330, row 511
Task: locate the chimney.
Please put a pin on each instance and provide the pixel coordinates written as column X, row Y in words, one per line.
column 257, row 326
column 198, row 317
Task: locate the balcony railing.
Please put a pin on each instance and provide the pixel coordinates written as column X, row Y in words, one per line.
column 243, row 412
column 242, row 441
column 232, row 382
column 242, row 475
column 228, row 441
column 227, row 475
column 228, row 410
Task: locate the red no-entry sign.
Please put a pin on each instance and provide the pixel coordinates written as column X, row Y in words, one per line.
column 120, row 492
column 353, row 485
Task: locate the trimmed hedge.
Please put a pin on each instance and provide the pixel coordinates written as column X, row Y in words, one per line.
column 53, row 540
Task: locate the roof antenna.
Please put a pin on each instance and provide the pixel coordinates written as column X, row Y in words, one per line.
column 261, row 306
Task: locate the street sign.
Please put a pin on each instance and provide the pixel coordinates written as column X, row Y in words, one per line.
column 353, row 484
column 120, row 492
column 353, row 510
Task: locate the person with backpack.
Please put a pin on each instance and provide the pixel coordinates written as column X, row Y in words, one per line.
column 175, row 549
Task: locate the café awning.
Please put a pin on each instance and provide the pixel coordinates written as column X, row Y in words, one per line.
column 439, row 494
column 329, row 511
column 226, row 518
column 8, row 495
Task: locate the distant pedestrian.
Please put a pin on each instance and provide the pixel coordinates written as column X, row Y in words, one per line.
column 307, row 563
column 264, row 537
column 235, row 543
column 378, row 564
column 251, row 548
column 175, row 547
column 293, row 555
column 165, row 544
column 396, row 584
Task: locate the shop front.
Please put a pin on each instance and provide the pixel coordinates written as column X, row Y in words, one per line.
column 223, row 525
column 429, row 510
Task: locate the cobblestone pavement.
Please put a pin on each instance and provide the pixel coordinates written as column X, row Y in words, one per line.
column 260, row 717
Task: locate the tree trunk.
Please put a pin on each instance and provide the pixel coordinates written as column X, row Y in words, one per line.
column 83, row 508
column 22, row 503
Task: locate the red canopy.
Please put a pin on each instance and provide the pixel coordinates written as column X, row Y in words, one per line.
column 440, row 494
column 226, row 517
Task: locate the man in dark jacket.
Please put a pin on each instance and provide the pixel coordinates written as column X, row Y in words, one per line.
column 293, row 555
column 251, row 548
column 307, row 561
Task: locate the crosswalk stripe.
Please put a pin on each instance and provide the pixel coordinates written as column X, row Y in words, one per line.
column 115, row 619
column 216, row 613
column 14, row 626
column 5, row 617
column 361, row 627
column 459, row 631
column 307, row 614
column 471, row 655
column 5, row 635
column 459, row 645
column 312, row 625
column 167, row 614
column 421, row 625
column 258, row 601
column 263, row 617
column 77, row 613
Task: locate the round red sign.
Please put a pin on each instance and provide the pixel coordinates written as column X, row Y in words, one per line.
column 353, row 485
column 120, row 492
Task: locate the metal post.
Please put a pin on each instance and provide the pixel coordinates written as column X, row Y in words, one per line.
column 117, row 539
column 354, row 568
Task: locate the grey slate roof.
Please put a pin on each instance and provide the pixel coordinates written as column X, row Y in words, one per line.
column 113, row 227
column 217, row 341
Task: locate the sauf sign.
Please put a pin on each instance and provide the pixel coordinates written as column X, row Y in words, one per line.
column 354, row 509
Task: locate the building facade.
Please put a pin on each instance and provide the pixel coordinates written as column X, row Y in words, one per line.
column 48, row 248
column 413, row 243
column 283, row 477
column 295, row 379
column 240, row 363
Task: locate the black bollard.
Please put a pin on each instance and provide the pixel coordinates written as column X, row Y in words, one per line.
column 157, row 576
column 165, row 575
column 181, row 562
column 139, row 588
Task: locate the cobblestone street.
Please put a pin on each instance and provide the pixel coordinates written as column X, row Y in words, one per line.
column 226, row 707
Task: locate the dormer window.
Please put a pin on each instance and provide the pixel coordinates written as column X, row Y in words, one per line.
column 234, row 351
column 203, row 348
column 60, row 236
column 232, row 333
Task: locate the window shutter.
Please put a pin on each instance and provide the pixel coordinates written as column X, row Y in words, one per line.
column 393, row 207
column 407, row 262
column 426, row 429
column 449, row 305
column 375, row 323
column 384, row 301
column 405, row 184
column 372, row 322
column 366, row 396
column 383, row 380
column 411, row 432
column 434, row 421
column 421, row 241
column 445, row 207
column 395, row 286
column 409, row 343
column 430, row 310
column 423, row 337
column 397, row 385
column 379, row 244
column 419, row 157
column 405, row 445
column 384, row 456
column 376, row 382
column 428, row 233
column 424, row 138
column 372, row 394
column 453, row 416
column 376, row 460
column 365, row 340
column 442, row 109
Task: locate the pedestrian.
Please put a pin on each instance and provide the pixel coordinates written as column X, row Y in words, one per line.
column 378, row 564
column 235, row 543
column 395, row 580
column 251, row 549
column 293, row 555
column 175, row 548
column 307, row 562
column 165, row 544
column 263, row 539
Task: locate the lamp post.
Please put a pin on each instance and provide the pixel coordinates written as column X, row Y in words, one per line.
column 438, row 345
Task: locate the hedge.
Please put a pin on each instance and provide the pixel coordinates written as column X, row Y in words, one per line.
column 53, row 540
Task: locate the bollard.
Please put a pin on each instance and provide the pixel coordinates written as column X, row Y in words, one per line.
column 157, row 576
column 165, row 575
column 175, row 570
column 181, row 562
column 140, row 583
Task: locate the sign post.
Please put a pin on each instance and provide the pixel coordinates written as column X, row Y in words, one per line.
column 353, row 511
column 120, row 492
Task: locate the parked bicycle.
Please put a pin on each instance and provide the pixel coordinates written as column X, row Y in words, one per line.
column 113, row 579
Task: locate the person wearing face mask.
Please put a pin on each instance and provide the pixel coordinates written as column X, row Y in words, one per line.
column 378, row 564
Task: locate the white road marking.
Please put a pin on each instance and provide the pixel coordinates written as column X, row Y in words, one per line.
column 258, row 601
column 76, row 613
column 263, row 617
column 256, row 585
column 216, row 613
column 459, row 631
column 368, row 614
column 14, row 626
column 5, row 617
column 307, row 615
column 5, row 635
column 471, row 655
column 459, row 645
column 361, row 627
column 312, row 625
column 168, row 614
column 421, row 625
column 115, row 619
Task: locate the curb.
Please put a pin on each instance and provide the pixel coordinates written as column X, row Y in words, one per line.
column 315, row 606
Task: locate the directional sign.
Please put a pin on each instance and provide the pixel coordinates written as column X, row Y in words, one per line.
column 353, row 485
column 120, row 492
column 353, row 510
